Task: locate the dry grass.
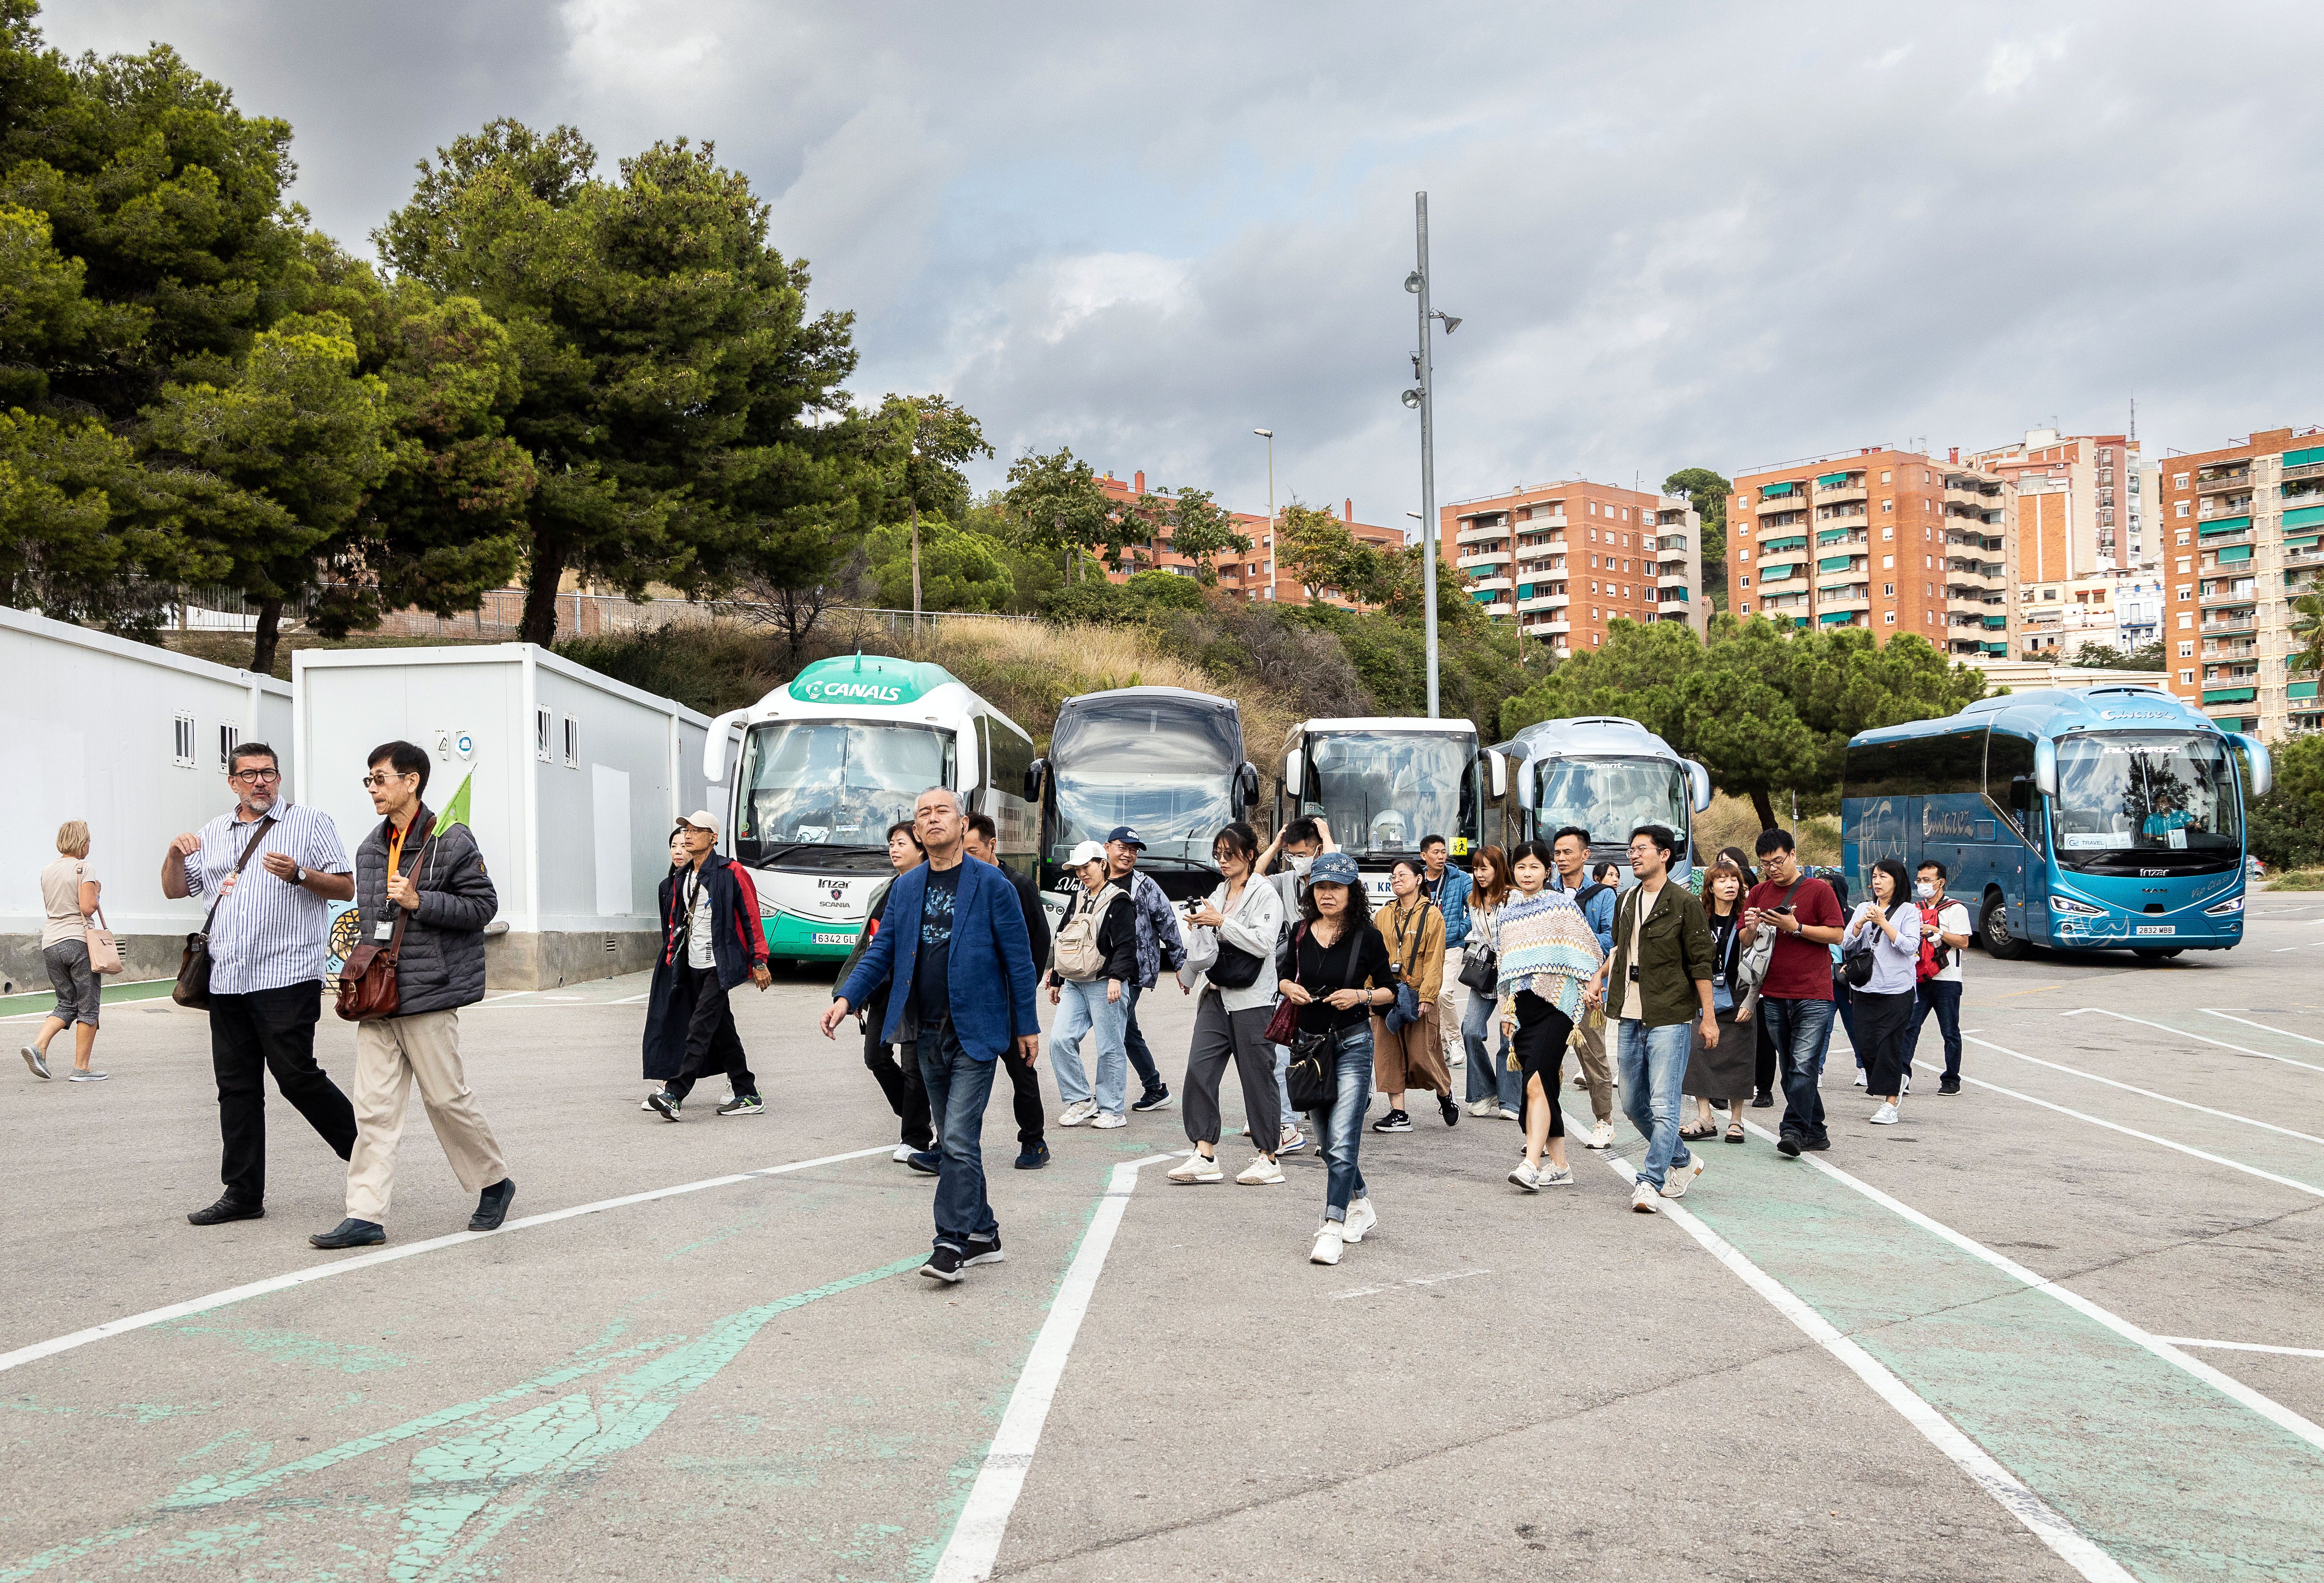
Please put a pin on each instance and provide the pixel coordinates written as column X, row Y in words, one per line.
column 1730, row 821
column 2299, row 879
column 233, row 648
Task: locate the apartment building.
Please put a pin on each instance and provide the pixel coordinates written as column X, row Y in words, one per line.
column 2244, row 523
column 2120, row 607
column 1565, row 560
column 1831, row 541
column 2082, row 501
column 1246, row 575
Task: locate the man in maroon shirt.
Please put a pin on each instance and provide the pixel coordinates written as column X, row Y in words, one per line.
column 1795, row 997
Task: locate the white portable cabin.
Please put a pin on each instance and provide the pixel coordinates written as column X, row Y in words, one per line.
column 571, row 781
column 134, row 739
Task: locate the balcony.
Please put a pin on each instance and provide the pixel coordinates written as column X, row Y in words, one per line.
column 2247, row 593
column 1858, row 596
column 2223, row 651
column 1977, row 500
column 2304, row 470
column 1484, row 557
column 2229, row 625
column 2231, row 505
column 1832, row 495
column 1672, row 580
column 1543, row 602
column 1556, row 626
column 1474, row 533
column 1793, row 498
column 2240, row 479
column 1492, row 579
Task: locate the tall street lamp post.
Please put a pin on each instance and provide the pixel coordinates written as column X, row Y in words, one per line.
column 1269, row 436
column 1422, row 395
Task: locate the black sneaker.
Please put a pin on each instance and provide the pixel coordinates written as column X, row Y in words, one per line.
column 1451, row 1111
column 491, row 1206
column 1816, row 1145
column 1762, row 1100
column 1788, row 1145
column 1948, row 1086
column 927, row 1161
column 665, row 1104
column 983, row 1250
column 744, row 1104
column 1395, row 1120
column 1153, row 1098
column 225, row 1209
column 1033, row 1156
column 943, row 1264
column 351, row 1233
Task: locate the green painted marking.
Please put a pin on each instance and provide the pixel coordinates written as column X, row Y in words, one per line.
column 109, row 994
column 292, row 1346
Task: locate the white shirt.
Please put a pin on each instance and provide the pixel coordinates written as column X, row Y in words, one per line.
column 1256, row 925
column 267, row 933
column 1952, row 918
column 698, row 950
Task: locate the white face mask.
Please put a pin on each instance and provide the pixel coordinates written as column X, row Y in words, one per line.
column 1300, row 866
column 1925, row 889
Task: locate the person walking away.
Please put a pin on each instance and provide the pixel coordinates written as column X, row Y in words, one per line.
column 1160, row 949
column 1495, row 1087
column 1285, row 864
column 429, row 878
column 68, row 897
column 1891, row 925
column 1944, row 936
column 1335, row 970
column 1656, row 986
column 1547, row 954
column 1232, row 1000
column 712, row 941
column 1449, row 888
column 1795, row 997
column 982, row 840
column 1411, row 1055
column 898, row 1075
column 1595, row 897
column 271, row 870
column 954, row 950
column 1722, row 1074
column 1094, row 960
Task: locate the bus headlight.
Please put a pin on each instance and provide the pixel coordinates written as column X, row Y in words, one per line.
column 2227, row 908
column 2067, row 907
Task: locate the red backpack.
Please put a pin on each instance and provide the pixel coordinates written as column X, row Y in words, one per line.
column 1932, row 947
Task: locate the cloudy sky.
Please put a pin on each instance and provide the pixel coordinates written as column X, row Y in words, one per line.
column 1679, row 234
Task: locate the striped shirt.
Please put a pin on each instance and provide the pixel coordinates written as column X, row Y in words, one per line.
column 267, row 932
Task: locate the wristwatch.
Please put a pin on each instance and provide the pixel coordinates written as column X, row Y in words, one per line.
column 297, row 873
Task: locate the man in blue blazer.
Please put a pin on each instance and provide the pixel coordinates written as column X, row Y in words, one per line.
column 968, row 971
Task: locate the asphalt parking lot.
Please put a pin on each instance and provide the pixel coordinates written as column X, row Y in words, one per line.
column 2067, row 1323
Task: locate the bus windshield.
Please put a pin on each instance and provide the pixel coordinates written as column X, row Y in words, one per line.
column 834, row 782
column 1165, row 770
column 1384, row 792
column 1610, row 796
column 2132, row 802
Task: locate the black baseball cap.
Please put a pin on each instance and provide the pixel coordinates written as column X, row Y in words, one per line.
column 1126, row 836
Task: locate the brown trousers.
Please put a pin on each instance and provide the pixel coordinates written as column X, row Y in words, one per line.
column 1413, row 1057
column 389, row 1053
column 1595, row 1074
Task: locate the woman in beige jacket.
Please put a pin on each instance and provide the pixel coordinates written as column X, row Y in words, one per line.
column 1413, row 1056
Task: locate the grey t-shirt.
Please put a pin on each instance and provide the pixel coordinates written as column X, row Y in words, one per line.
column 699, row 952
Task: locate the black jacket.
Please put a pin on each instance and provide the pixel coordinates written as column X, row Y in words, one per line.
column 441, row 964
column 1036, row 916
column 738, row 944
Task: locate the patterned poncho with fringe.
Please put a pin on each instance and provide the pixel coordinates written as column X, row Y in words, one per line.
column 1543, row 944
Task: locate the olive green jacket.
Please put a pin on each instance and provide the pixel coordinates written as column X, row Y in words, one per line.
column 1673, row 954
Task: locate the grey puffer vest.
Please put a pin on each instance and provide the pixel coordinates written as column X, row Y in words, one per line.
column 442, row 963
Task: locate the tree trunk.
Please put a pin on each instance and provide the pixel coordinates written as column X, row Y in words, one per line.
column 548, row 570
column 267, row 637
column 1764, row 806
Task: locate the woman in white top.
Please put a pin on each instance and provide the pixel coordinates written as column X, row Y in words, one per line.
column 68, row 889
column 1231, row 1017
column 1884, row 1003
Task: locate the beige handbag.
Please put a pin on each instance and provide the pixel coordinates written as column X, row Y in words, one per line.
column 104, row 950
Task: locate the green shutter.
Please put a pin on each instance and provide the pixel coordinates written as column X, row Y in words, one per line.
column 1777, row 546
column 1834, row 563
column 2235, row 552
column 2306, row 516
column 1833, row 535
column 2300, row 458
column 1831, row 480
column 1997, row 648
column 1834, row 617
column 2230, row 694
column 2307, row 544
column 1996, row 623
column 1773, row 491
column 2300, row 689
column 2225, row 524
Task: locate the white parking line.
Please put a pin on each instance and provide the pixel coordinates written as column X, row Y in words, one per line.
column 2263, row 1027
column 2244, row 1346
column 232, row 1294
column 2199, row 1039
column 2072, row 1546
column 969, row 1555
column 1415, row 1280
column 2134, row 1089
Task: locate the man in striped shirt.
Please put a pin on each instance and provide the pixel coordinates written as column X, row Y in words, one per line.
column 268, row 927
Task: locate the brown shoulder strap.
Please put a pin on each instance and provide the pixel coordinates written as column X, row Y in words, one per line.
column 240, row 864
column 395, row 941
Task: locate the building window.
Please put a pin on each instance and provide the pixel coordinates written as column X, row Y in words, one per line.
column 1746, row 582
column 1747, row 606
column 572, row 743
column 2185, row 620
column 1884, row 477
column 2182, row 512
column 1887, row 505
column 2185, row 594
column 2186, row 678
column 1887, row 563
column 181, row 742
column 1888, row 590
column 1745, row 554
column 229, row 736
column 2186, row 651
column 1892, row 618
column 540, row 734
column 2183, row 535
column 2178, row 481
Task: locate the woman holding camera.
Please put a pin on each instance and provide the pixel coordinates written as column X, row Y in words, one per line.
column 1232, row 998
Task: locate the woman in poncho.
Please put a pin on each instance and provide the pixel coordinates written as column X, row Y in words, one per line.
column 1548, row 952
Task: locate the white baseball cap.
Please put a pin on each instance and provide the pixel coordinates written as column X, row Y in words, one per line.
column 702, row 819
column 1088, row 852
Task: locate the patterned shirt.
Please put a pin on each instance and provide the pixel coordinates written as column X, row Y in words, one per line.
column 267, row 932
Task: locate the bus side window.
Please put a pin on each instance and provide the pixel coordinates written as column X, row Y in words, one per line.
column 2009, row 780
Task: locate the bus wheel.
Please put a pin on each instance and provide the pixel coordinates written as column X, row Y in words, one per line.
column 1993, row 929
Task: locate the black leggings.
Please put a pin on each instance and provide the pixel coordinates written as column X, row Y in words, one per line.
column 1540, row 1049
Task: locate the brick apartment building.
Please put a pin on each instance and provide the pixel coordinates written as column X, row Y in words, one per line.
column 1566, row 559
column 2082, row 501
column 2244, row 525
column 1831, row 541
column 1245, row 575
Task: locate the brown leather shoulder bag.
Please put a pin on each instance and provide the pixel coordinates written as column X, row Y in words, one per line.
column 367, row 988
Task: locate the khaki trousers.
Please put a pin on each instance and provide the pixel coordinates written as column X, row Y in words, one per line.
column 1448, row 1015
column 390, row 1053
column 1595, row 1075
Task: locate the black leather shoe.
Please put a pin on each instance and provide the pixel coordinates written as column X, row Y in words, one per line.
column 350, row 1233
column 491, row 1205
column 227, row 1209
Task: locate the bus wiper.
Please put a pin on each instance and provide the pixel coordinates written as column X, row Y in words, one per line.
column 1147, row 859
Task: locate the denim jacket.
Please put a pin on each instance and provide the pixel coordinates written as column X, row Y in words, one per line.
column 1159, row 943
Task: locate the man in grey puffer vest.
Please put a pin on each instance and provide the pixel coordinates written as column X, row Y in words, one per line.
column 439, row 891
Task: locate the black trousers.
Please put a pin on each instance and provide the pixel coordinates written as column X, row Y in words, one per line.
column 711, row 1045
column 899, row 1082
column 1026, row 1097
column 1763, row 1070
column 1886, row 1024
column 271, row 1030
column 1540, row 1049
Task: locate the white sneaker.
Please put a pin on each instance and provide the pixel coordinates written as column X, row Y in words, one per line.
column 1908, row 1082
column 1526, row 1177
column 647, row 1103
column 1260, row 1173
column 1602, row 1136
column 1681, row 1178
column 1556, row 1176
column 1885, row 1116
column 1291, row 1141
column 1860, row 1077
column 1455, row 1058
column 1508, row 1114
column 1642, row 1199
column 1104, row 1120
column 1485, row 1107
column 1362, row 1218
column 1327, row 1245
column 1195, row 1167
column 1080, row 1113
column 902, row 1156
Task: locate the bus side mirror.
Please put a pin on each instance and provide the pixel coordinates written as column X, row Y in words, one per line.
column 1293, row 763
column 1033, row 773
column 1701, row 776
column 2045, row 766
column 1497, row 769
column 2263, row 767
column 714, row 745
column 1246, row 786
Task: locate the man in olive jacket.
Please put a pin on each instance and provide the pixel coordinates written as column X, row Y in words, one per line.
column 431, row 878
column 1656, row 984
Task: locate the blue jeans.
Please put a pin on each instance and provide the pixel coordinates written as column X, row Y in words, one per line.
column 1488, row 1075
column 1133, row 1041
column 1083, row 1008
column 1649, row 1065
column 1802, row 1030
column 1338, row 1133
column 1944, row 998
column 958, row 1085
column 1282, row 1086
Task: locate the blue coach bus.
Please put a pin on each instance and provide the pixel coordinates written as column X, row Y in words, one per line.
column 2110, row 819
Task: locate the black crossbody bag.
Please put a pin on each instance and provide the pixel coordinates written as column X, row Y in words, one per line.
column 1312, row 1074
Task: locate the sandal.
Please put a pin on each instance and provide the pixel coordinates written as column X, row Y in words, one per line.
column 1735, row 1132
column 1697, row 1132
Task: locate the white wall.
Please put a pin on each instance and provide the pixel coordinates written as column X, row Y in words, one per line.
column 89, row 721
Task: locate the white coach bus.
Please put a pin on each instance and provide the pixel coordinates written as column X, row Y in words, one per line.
column 829, row 762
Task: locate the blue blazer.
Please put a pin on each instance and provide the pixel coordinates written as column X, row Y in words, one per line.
column 991, row 972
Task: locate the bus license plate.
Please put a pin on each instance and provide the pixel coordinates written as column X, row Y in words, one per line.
column 849, row 939
column 2158, row 928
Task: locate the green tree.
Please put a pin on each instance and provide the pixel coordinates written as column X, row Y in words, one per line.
column 2307, row 634
column 957, row 569
column 2287, row 825
column 1201, row 531
column 1063, row 508
column 49, row 323
column 931, row 439
column 62, row 542
column 1707, row 492
column 1318, row 549
column 2106, row 657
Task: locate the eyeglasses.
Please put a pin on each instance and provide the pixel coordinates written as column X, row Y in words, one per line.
column 375, row 781
column 255, row 777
